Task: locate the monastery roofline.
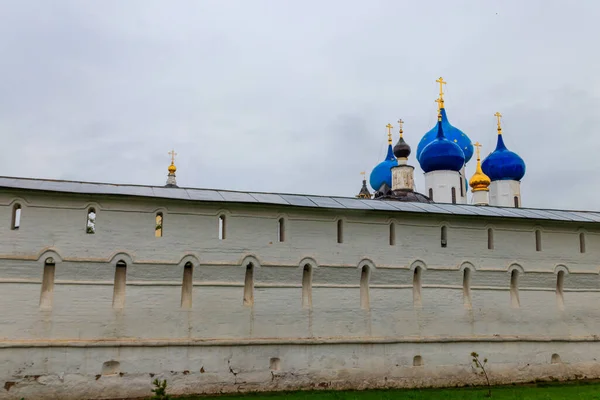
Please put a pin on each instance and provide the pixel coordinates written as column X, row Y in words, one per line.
column 297, row 200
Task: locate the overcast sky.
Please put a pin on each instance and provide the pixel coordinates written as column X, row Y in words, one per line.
column 294, row 96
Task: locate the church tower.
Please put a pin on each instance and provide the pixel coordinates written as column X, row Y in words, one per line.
column 444, row 193
column 364, row 190
column 505, row 169
column 171, row 180
column 442, row 161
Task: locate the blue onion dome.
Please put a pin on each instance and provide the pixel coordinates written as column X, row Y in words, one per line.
column 382, row 173
column 441, row 154
column 503, row 164
column 452, row 133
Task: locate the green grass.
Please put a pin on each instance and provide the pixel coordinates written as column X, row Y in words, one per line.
column 572, row 391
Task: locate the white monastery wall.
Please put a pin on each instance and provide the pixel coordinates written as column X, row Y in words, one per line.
column 82, row 347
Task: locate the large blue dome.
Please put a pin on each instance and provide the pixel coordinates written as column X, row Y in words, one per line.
column 503, row 164
column 382, row 173
column 453, row 134
column 442, row 154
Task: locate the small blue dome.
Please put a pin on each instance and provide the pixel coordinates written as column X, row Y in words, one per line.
column 442, row 154
column 382, row 173
column 503, row 164
column 453, row 134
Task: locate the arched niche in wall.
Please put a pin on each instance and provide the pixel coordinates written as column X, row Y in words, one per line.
column 582, row 236
column 120, row 261
column 366, row 268
column 187, row 264
column 159, row 216
column 561, row 271
column 307, row 266
column 490, row 235
column 467, row 269
column 91, row 214
column 417, row 267
column 515, row 271
column 282, row 228
column 250, row 263
column 17, row 206
column 48, row 260
column 222, row 221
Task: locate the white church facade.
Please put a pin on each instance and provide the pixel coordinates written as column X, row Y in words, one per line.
column 105, row 287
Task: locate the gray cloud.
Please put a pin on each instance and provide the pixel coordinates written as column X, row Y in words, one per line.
column 294, row 96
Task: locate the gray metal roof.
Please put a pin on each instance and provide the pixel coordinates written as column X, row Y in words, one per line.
column 349, row 203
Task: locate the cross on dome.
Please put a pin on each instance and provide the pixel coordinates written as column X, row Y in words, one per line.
column 499, row 116
column 400, row 123
column 389, row 128
column 442, row 83
column 477, row 146
column 172, row 154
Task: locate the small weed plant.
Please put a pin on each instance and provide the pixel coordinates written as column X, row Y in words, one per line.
column 480, row 369
column 160, row 390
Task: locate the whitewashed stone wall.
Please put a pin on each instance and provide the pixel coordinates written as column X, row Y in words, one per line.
column 82, row 347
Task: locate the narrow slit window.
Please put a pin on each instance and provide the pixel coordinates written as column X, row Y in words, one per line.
column 462, row 188
column 560, row 283
column 249, row 285
column 340, row 231
column 417, row 286
column 392, row 234
column 307, row 286
column 430, row 193
column 120, row 284
column 281, row 230
column 582, row 242
column 90, row 225
column 453, row 195
column 516, row 202
column 158, row 229
column 538, row 240
column 47, row 283
column 16, row 217
column 467, row 287
column 221, row 227
column 364, row 288
column 444, row 238
column 187, row 285
column 490, row 237
column 514, row 289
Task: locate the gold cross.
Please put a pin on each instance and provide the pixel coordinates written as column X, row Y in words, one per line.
column 363, row 173
column 477, row 145
column 498, row 115
column 389, row 128
column 400, row 123
column 442, row 83
column 172, row 154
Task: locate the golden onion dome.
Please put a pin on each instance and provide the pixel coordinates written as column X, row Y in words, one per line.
column 172, row 168
column 479, row 181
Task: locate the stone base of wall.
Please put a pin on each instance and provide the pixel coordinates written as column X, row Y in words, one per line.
column 96, row 370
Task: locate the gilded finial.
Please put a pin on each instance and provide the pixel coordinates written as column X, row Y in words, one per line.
column 440, row 104
column 479, row 181
column 401, row 123
column 498, row 115
column 389, row 128
column 363, row 173
column 172, row 168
